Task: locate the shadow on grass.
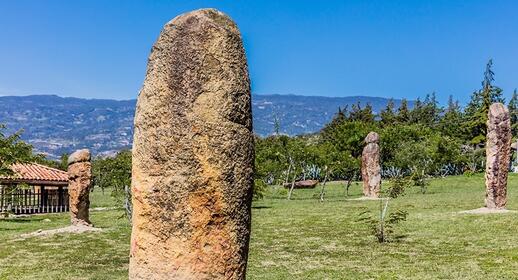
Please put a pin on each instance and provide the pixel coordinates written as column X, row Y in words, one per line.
column 261, row 207
column 316, row 198
column 21, row 220
column 399, row 238
column 7, row 229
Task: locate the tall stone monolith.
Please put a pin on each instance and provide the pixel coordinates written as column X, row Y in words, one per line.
column 371, row 166
column 79, row 183
column 193, row 154
column 498, row 148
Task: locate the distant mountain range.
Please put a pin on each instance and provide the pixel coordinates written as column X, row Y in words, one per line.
column 56, row 125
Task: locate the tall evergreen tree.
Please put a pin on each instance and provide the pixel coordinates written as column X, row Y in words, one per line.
column 513, row 112
column 451, row 122
column 433, row 110
column 453, row 106
column 361, row 114
column 427, row 111
column 367, row 114
column 339, row 118
column 416, row 112
column 387, row 115
column 403, row 114
column 478, row 107
column 355, row 112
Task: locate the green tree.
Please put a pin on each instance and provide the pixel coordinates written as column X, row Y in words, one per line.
column 427, row 111
column 338, row 118
column 13, row 149
column 334, row 164
column 113, row 172
column 432, row 110
column 414, row 115
column 349, row 136
column 361, row 114
column 451, row 123
column 403, row 114
column 387, row 115
column 63, row 161
column 478, row 107
column 513, row 112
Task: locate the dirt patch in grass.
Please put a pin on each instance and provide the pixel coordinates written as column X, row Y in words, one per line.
column 485, row 210
column 75, row 229
column 366, row 198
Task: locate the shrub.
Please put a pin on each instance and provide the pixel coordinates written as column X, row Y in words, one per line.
column 259, row 189
column 397, row 187
column 383, row 227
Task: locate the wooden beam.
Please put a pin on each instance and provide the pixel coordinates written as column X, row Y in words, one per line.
column 33, row 182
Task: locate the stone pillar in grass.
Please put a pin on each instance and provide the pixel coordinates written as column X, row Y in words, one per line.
column 193, row 154
column 80, row 179
column 371, row 166
column 498, row 149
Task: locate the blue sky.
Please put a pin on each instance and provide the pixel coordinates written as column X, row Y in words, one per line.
column 99, row 49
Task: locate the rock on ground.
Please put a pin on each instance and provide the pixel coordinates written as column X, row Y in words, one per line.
column 371, row 175
column 498, row 148
column 193, row 154
column 80, row 179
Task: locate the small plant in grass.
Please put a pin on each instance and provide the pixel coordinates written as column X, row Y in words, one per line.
column 397, row 186
column 468, row 173
column 419, row 179
column 383, row 226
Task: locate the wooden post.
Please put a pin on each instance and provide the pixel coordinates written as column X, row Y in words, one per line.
column 60, row 199
column 1, row 198
column 42, row 198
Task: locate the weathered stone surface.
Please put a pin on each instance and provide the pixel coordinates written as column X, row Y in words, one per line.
column 498, row 143
column 372, row 137
column 193, row 154
column 80, row 178
column 305, row 184
column 79, row 156
column 371, row 166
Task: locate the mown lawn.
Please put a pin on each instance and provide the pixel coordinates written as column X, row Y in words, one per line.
column 303, row 238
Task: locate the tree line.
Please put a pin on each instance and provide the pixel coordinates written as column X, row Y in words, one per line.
column 418, row 141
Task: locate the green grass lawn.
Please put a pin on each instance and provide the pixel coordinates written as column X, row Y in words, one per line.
column 302, row 238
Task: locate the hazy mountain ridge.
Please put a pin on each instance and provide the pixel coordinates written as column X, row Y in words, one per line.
column 299, row 114
column 55, row 125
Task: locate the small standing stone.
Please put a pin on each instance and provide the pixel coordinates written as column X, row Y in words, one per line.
column 80, row 178
column 371, row 166
column 193, row 154
column 498, row 146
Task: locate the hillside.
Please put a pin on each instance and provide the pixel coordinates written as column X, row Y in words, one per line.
column 55, row 125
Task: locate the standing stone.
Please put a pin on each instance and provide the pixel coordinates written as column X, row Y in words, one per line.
column 79, row 182
column 371, row 166
column 193, row 154
column 498, row 149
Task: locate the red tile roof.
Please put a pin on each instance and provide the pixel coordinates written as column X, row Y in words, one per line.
column 34, row 172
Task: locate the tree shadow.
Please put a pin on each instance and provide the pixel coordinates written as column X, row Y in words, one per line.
column 261, row 207
column 399, row 238
column 21, row 220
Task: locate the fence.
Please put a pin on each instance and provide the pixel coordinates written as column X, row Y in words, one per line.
column 31, row 201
